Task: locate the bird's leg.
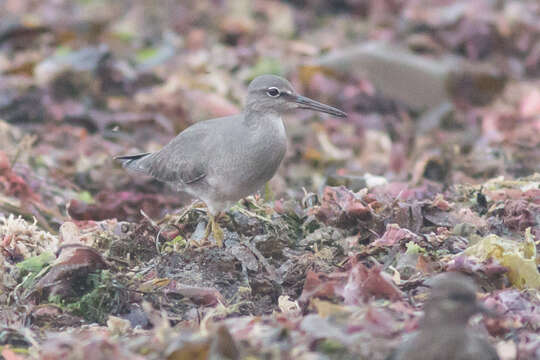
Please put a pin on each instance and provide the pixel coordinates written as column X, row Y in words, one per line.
column 194, row 205
column 214, row 228
column 218, row 232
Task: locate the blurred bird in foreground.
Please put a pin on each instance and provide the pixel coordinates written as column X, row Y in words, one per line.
column 222, row 160
column 443, row 333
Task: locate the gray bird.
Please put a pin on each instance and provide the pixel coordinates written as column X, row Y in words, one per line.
column 222, row 160
column 443, row 333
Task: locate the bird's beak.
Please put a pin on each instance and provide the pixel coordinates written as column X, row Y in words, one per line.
column 306, row 103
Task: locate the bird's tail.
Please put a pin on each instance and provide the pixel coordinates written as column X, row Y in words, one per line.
column 133, row 162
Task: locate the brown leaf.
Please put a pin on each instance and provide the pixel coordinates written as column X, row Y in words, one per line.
column 51, row 316
column 12, row 184
column 394, row 235
column 341, row 207
column 73, row 262
column 202, row 296
column 359, row 283
column 319, row 285
column 364, row 283
column 520, row 214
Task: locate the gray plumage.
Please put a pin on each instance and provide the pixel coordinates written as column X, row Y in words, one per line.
column 444, row 334
column 222, row 160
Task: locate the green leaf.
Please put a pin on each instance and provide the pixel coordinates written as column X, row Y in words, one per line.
column 86, row 197
column 413, row 248
column 146, row 54
column 36, row 263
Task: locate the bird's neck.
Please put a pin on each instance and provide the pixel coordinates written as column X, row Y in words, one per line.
column 261, row 119
column 432, row 317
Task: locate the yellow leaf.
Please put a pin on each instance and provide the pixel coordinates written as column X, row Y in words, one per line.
column 326, row 308
column 152, row 285
column 518, row 257
column 191, row 351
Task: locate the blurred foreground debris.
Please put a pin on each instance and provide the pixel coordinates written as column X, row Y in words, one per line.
column 415, row 80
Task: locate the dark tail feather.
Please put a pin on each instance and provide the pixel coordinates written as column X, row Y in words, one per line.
column 132, row 161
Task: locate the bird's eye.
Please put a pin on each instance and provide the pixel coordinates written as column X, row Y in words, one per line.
column 273, row 92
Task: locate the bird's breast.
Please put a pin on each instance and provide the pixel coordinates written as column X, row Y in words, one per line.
column 251, row 160
column 270, row 145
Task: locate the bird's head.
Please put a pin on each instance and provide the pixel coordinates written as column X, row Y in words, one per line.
column 271, row 93
column 453, row 299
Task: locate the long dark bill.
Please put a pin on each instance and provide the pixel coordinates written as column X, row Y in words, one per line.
column 307, row 103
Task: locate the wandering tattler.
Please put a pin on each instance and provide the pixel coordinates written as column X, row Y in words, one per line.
column 443, row 331
column 222, row 160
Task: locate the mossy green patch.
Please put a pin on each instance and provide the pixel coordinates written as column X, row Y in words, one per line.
column 100, row 301
column 332, row 347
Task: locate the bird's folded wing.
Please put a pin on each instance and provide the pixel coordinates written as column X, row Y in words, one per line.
column 180, row 161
